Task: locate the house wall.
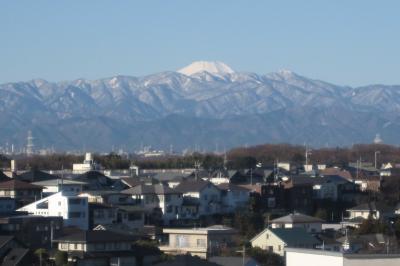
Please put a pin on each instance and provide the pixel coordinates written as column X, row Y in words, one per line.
column 95, row 247
column 73, row 209
column 309, row 227
column 234, row 199
column 268, row 241
column 364, row 214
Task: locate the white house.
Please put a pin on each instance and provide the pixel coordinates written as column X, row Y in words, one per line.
column 277, row 239
column 298, row 220
column 72, row 208
column 202, row 195
column 157, row 197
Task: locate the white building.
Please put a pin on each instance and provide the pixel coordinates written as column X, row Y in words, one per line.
column 200, row 198
column 56, row 185
column 298, row 220
column 72, row 208
column 314, row 257
column 88, row 165
column 157, row 197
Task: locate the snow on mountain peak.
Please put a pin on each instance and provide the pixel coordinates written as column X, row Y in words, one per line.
column 212, row 67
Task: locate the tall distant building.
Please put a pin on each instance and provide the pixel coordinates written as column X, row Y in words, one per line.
column 29, row 144
column 378, row 139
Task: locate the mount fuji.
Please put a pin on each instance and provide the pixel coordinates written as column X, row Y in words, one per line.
column 202, row 104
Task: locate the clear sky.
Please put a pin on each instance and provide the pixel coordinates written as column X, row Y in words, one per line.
column 347, row 42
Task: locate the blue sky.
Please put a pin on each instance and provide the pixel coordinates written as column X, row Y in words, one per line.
column 344, row 42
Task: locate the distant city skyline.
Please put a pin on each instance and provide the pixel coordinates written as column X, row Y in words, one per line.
column 343, row 42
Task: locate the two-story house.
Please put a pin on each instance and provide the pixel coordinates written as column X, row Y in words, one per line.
column 202, row 193
column 72, row 208
column 22, row 192
column 157, row 198
column 201, row 242
column 298, row 220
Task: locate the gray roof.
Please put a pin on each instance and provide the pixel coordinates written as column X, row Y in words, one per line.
column 96, row 236
column 157, row 189
column 297, row 218
column 372, row 206
column 192, row 185
column 232, row 187
column 294, row 236
column 54, row 182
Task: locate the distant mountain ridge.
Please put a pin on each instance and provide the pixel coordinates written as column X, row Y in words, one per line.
column 204, row 104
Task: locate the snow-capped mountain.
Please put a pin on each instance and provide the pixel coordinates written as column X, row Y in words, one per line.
column 215, row 68
column 203, row 103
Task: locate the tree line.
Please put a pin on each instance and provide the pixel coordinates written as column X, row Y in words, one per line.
column 237, row 158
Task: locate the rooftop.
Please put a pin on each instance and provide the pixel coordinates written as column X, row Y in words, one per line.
column 297, row 218
column 17, row 184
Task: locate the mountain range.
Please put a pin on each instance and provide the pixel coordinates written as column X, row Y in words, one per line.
column 202, row 105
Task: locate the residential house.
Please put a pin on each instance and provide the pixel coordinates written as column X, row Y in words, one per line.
column 99, row 247
column 276, row 240
column 7, row 205
column 33, row 230
column 72, row 208
column 52, row 186
column 157, row 198
column 202, row 193
column 21, row 191
column 34, row 175
column 106, row 197
column 233, row 196
column 13, row 252
column 299, row 194
column 273, row 196
column 101, row 214
column 298, row 220
column 201, row 242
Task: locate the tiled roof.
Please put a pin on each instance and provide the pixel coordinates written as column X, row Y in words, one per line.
column 16, row 184
column 232, row 187
column 192, row 185
column 294, row 236
column 297, row 218
column 97, row 236
column 35, row 175
column 157, row 189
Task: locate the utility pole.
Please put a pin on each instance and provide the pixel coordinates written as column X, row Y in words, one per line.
column 376, row 153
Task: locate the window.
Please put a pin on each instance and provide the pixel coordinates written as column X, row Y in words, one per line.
column 267, row 236
column 279, row 248
column 64, row 246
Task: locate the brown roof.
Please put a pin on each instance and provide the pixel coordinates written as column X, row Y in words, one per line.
column 336, row 171
column 17, row 184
